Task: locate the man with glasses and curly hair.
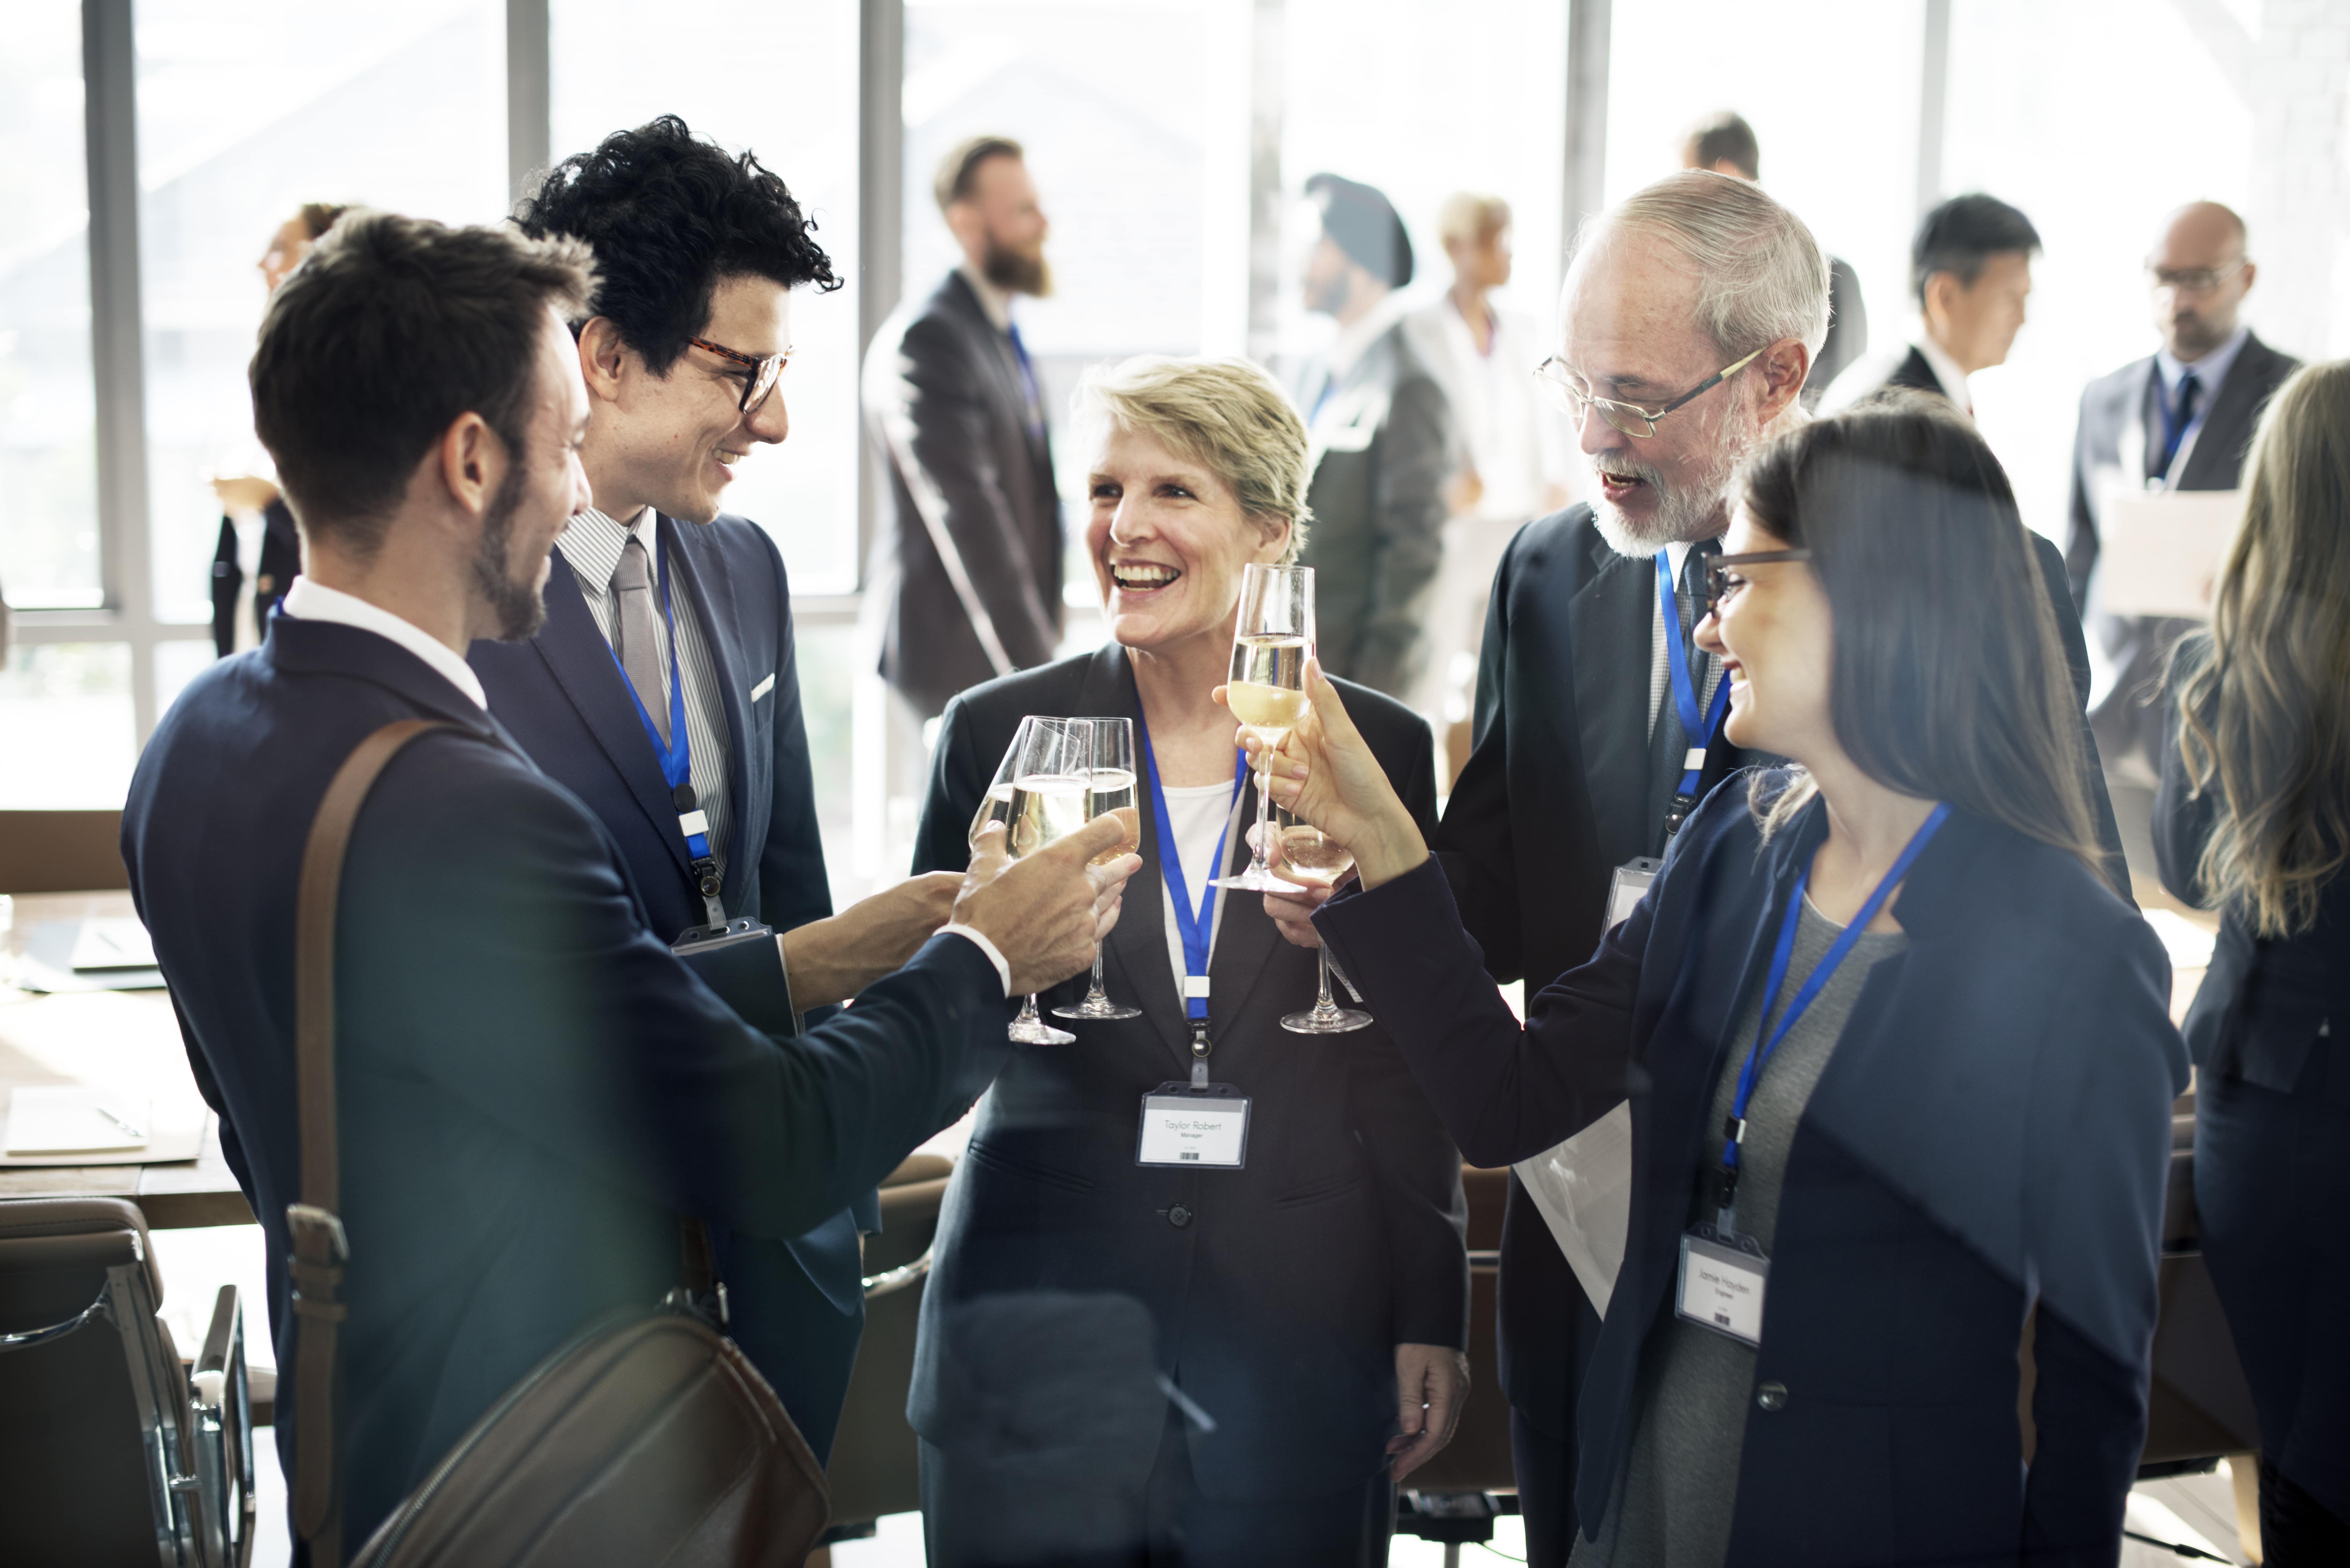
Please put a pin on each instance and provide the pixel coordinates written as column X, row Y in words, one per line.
column 663, row 691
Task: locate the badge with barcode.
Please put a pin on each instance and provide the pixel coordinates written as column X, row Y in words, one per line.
column 1721, row 1283
column 1193, row 1127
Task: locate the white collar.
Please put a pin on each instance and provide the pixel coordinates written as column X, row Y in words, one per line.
column 1946, row 370
column 991, row 299
column 1353, row 342
column 2211, row 370
column 310, row 600
column 591, row 547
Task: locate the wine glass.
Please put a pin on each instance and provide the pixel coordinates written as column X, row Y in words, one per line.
column 1309, row 856
column 1052, row 766
column 1267, row 689
column 1109, row 786
column 995, row 805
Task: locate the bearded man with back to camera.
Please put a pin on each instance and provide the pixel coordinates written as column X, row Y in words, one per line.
column 1690, row 319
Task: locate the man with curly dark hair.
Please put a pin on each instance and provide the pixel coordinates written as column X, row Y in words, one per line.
column 663, row 691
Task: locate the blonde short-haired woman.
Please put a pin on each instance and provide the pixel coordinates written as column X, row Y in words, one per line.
column 1117, row 1357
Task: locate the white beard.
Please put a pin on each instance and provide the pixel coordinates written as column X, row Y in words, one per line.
column 1694, row 510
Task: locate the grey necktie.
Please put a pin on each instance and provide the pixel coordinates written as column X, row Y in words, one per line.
column 632, row 585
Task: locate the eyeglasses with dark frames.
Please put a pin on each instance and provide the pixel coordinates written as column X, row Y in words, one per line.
column 1720, row 589
column 760, row 375
column 1557, row 382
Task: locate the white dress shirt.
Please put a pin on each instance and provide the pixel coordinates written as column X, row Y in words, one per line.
column 310, row 600
column 1947, row 371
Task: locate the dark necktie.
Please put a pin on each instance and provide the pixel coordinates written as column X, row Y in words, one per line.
column 634, row 636
column 1669, row 742
column 2176, row 416
column 1035, row 396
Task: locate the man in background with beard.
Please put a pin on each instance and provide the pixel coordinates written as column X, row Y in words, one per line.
column 969, row 567
column 1689, row 319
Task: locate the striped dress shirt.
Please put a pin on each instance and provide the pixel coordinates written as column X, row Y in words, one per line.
column 591, row 548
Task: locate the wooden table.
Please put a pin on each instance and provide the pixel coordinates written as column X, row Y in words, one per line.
column 128, row 1039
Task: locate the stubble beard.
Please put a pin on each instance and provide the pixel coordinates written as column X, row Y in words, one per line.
column 520, row 608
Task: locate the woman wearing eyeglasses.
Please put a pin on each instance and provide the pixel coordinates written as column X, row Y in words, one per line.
column 1899, row 1063
column 2253, row 818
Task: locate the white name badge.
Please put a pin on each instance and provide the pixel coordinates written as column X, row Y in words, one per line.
column 1193, row 1127
column 1631, row 880
column 1722, row 1286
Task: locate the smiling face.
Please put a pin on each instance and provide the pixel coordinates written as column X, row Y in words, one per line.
column 542, row 489
column 671, row 442
column 1168, row 539
column 1776, row 639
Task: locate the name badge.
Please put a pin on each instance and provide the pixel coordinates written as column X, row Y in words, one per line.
column 1625, row 889
column 1721, row 1283
column 1192, row 1126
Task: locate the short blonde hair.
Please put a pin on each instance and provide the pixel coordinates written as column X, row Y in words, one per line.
column 1468, row 216
column 1226, row 414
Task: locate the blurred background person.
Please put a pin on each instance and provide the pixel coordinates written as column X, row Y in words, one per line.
column 967, row 568
column 1725, row 143
column 662, row 610
column 1970, row 271
column 259, row 553
column 1382, row 446
column 2253, row 819
column 1897, row 1166
column 1513, row 446
column 2179, row 420
column 1306, row 1301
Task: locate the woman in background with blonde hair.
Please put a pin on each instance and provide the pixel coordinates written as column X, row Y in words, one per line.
column 2253, row 818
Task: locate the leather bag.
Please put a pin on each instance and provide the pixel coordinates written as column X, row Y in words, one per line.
column 648, row 1438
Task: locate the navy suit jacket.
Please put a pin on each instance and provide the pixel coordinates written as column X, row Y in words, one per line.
column 563, row 698
column 1279, row 1291
column 531, row 1087
column 1993, row 1131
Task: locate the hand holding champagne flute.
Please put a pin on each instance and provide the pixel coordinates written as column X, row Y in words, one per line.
column 1049, row 765
column 1267, row 694
column 1321, row 770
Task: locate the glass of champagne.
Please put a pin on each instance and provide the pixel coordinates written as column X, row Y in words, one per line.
column 1312, row 860
column 1109, row 788
column 995, row 805
column 1051, row 780
column 1267, row 689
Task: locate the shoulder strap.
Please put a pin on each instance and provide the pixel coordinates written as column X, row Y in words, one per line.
column 320, row 1248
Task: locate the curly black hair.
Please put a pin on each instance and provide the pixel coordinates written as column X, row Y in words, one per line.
column 670, row 214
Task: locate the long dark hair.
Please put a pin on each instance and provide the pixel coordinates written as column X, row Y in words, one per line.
column 2263, row 716
column 1949, row 681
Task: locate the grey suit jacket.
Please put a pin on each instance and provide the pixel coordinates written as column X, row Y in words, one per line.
column 968, row 565
column 2138, row 646
column 1380, row 452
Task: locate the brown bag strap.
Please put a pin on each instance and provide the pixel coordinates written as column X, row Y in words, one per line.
column 320, row 1248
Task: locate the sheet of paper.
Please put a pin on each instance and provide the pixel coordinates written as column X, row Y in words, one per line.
column 2159, row 552
column 71, row 1119
column 112, row 944
column 1583, row 1189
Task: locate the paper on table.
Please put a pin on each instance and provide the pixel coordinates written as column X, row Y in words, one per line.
column 2160, row 550
column 112, row 944
column 71, row 1119
column 1583, row 1189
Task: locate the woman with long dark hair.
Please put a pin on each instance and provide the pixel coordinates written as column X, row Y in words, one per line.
column 1899, row 1062
column 2253, row 819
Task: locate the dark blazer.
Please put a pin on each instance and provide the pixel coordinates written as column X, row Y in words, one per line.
column 969, row 562
column 562, row 697
column 1280, row 1289
column 1914, row 372
column 1555, row 796
column 1847, row 338
column 531, row 1087
column 2139, row 645
column 2268, row 1032
column 280, row 563
column 1383, row 446
column 1993, row 1126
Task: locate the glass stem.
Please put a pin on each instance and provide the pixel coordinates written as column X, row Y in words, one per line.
column 1260, row 861
column 1028, row 1010
column 1323, row 1004
column 1096, row 993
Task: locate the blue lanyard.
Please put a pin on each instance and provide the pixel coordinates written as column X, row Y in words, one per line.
column 1699, row 730
column 676, row 758
column 1815, row 982
column 1194, row 926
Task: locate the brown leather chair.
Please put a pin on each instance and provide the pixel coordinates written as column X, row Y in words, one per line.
column 114, row 1451
column 876, row 1464
column 61, row 852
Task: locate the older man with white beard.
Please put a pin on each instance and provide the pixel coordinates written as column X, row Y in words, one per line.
column 1689, row 319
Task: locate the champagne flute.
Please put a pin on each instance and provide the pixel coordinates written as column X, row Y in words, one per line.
column 1310, row 858
column 1109, row 786
column 1051, row 777
column 995, row 805
column 1267, row 689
